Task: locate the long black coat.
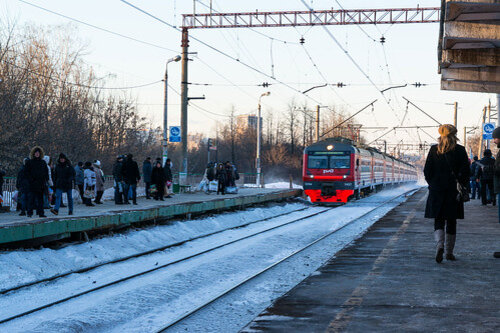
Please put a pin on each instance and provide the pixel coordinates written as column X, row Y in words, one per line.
column 441, row 201
column 2, row 173
column 22, row 183
column 130, row 172
column 64, row 176
column 158, row 177
column 37, row 174
column 168, row 173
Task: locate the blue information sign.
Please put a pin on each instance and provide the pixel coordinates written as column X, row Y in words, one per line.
column 488, row 129
column 175, row 134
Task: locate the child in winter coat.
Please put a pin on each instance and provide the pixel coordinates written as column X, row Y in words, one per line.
column 89, row 183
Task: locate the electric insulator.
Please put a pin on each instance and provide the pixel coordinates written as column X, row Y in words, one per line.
column 302, row 40
column 382, row 40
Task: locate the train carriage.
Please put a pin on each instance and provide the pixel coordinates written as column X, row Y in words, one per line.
column 336, row 170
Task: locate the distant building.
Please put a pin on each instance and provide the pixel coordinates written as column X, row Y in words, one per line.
column 247, row 121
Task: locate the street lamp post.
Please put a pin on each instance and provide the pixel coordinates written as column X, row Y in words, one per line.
column 257, row 159
column 165, row 111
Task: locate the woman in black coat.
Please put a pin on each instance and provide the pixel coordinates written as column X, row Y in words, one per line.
column 64, row 176
column 221, row 176
column 446, row 163
column 159, row 179
column 38, row 177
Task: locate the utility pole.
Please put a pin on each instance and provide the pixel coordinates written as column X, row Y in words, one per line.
column 257, row 159
column 165, row 111
column 465, row 138
column 318, row 108
column 184, row 104
column 498, row 110
column 455, row 114
column 480, row 150
column 489, row 120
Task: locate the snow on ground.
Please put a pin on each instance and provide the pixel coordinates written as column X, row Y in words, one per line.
column 146, row 303
column 23, row 266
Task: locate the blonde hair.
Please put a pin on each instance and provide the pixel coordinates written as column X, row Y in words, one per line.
column 448, row 138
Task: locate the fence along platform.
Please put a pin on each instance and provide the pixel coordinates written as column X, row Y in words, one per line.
column 14, row 228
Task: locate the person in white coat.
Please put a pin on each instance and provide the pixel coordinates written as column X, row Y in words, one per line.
column 99, row 182
column 50, row 184
column 89, row 182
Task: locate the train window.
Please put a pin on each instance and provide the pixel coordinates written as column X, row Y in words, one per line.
column 340, row 162
column 317, row 162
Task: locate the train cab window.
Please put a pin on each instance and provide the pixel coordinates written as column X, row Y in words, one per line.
column 317, row 162
column 340, row 162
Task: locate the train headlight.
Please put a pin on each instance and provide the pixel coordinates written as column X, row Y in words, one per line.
column 312, row 176
column 345, row 176
column 329, row 147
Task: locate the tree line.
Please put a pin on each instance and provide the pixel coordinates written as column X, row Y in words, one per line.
column 50, row 97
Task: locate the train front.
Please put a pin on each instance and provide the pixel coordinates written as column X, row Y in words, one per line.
column 328, row 171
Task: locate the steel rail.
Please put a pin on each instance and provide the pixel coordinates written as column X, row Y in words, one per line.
column 224, row 293
column 141, row 254
column 48, row 305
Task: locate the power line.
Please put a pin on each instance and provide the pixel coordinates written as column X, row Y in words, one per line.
column 98, row 28
column 79, row 84
column 252, row 29
column 354, row 62
column 217, row 50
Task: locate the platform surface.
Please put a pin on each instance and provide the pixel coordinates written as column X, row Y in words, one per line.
column 15, row 228
column 388, row 280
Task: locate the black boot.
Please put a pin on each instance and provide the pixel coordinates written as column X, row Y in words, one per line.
column 439, row 238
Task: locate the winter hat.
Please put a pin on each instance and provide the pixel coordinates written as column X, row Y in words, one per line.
column 487, row 153
column 447, row 130
column 46, row 159
column 496, row 133
column 87, row 165
column 61, row 155
column 476, row 158
column 97, row 163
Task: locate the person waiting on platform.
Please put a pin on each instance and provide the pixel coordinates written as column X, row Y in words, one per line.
column 484, row 174
column 496, row 179
column 474, row 184
column 446, row 167
column 221, row 176
column 158, row 179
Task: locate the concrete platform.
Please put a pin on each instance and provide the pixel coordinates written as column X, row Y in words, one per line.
column 388, row 281
column 14, row 228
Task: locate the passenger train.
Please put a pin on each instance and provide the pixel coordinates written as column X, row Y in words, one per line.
column 336, row 170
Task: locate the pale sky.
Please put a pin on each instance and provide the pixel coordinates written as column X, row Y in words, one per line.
column 411, row 52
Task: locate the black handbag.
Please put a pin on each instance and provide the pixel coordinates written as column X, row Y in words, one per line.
column 463, row 192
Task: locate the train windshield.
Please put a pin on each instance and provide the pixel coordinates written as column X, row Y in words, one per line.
column 329, row 160
column 340, row 162
column 317, row 162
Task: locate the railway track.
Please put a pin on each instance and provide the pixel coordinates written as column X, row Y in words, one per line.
column 88, row 291
column 142, row 273
column 268, row 268
column 140, row 254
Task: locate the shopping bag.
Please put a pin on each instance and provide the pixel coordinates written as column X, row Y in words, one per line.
column 212, row 186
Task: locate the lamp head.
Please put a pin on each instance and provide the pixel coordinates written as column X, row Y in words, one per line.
column 176, row 59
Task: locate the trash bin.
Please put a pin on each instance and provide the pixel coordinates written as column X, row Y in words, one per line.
column 175, row 188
